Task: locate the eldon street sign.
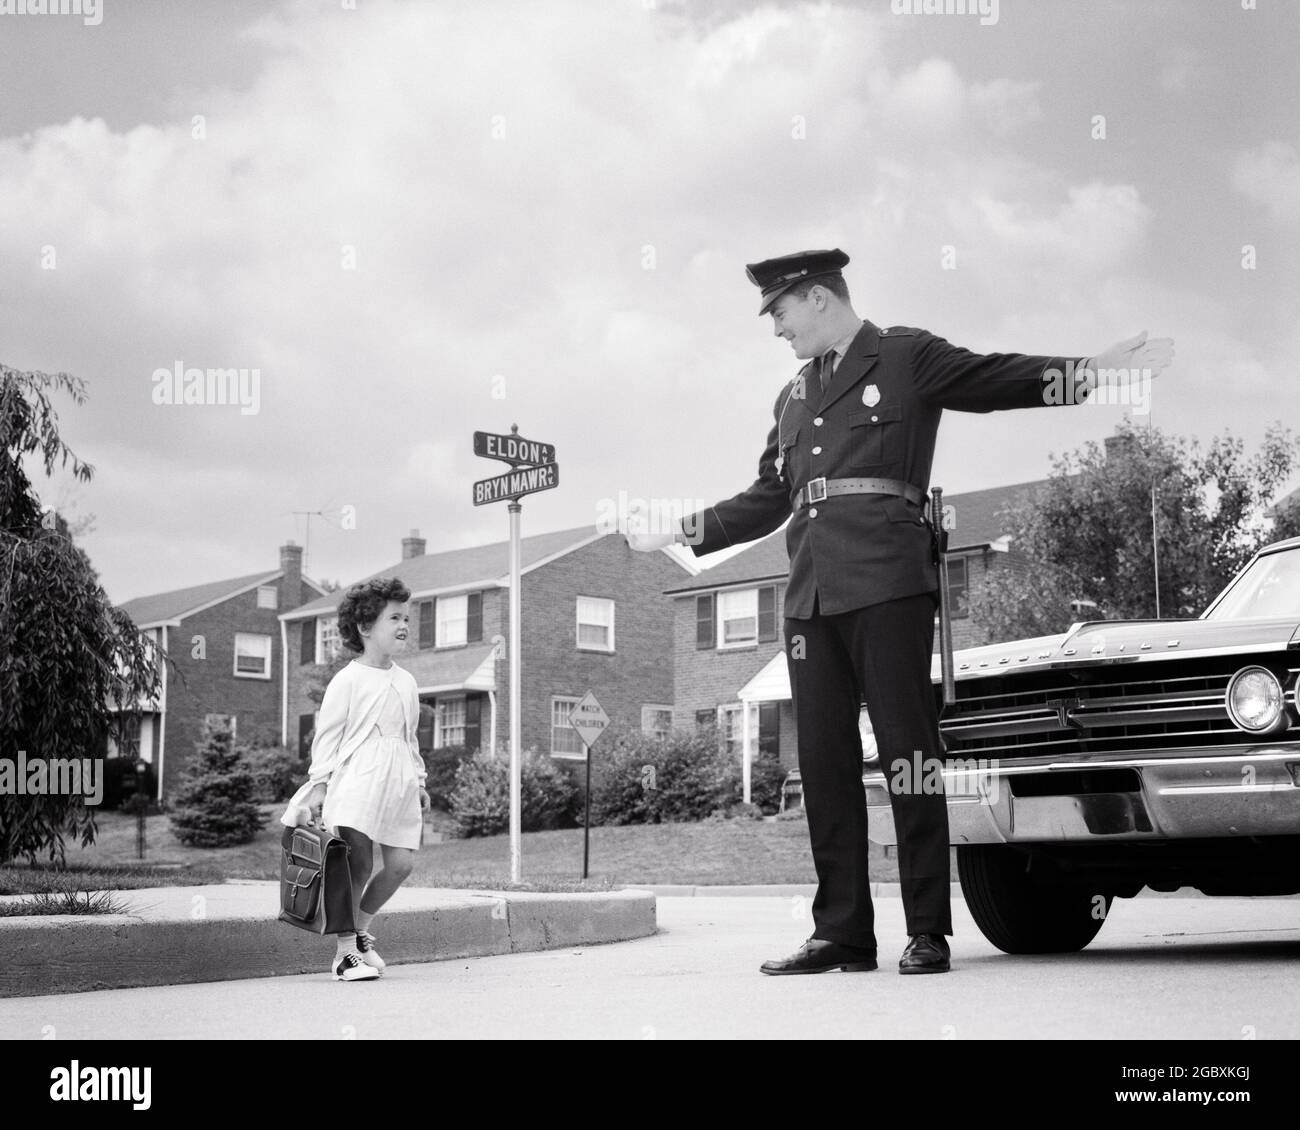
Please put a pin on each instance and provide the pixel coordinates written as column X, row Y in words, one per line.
column 513, row 449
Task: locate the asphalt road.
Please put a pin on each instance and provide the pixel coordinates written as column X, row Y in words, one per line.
column 1161, row 968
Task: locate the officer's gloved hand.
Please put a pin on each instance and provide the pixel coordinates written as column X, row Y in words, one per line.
column 639, row 534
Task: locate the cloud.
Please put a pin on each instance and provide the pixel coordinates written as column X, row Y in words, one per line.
column 411, row 200
column 1270, row 177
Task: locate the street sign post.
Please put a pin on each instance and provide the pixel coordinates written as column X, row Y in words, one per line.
column 533, row 469
column 590, row 720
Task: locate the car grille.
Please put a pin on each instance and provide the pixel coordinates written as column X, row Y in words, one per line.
column 1106, row 708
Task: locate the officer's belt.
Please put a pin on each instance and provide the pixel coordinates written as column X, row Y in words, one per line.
column 821, row 488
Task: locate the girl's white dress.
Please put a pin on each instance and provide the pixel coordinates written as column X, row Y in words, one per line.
column 366, row 752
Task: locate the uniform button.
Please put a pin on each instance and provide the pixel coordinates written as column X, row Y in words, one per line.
column 817, row 422
column 817, row 450
column 812, row 513
column 875, row 419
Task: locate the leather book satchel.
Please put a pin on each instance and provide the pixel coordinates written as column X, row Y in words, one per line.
column 315, row 883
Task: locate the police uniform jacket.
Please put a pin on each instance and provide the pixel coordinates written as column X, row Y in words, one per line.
column 878, row 418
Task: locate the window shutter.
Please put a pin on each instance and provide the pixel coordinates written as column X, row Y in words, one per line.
column 769, row 729
column 426, row 622
column 424, row 729
column 306, row 726
column 308, row 642
column 473, row 722
column 705, row 633
column 474, row 627
column 767, row 614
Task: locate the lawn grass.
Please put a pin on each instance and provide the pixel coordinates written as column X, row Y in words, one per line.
column 734, row 852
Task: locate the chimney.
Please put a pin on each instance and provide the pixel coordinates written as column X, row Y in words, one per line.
column 413, row 546
column 291, row 566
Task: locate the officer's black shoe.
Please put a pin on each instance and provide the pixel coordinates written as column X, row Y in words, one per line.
column 818, row 956
column 925, row 953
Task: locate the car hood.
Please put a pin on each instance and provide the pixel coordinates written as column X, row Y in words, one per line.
column 1121, row 641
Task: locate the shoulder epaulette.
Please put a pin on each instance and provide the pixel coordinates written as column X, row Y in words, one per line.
column 901, row 331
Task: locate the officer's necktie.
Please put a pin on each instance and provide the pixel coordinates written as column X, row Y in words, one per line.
column 827, row 369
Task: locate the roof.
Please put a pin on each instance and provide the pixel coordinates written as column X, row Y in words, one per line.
column 977, row 518
column 459, row 669
column 163, row 607
column 463, row 568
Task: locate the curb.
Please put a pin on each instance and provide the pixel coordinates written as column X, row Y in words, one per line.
column 229, row 932
column 773, row 890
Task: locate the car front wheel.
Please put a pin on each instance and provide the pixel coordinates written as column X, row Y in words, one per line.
column 1020, row 914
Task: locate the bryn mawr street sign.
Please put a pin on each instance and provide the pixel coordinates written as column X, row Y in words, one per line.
column 522, row 480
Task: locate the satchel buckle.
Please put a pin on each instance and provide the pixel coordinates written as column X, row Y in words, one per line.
column 816, row 489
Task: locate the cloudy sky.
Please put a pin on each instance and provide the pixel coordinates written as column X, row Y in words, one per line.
column 420, row 219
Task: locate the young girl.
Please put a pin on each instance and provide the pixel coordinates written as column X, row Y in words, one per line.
column 367, row 777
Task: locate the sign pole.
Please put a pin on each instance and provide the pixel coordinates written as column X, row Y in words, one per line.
column 515, row 689
column 586, row 818
column 590, row 720
column 533, row 469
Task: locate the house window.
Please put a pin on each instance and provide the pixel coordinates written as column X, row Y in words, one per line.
column 222, row 722
column 268, row 596
column 657, row 721
column 705, row 719
column 738, row 618
column 453, row 618
column 128, row 744
column 731, row 724
column 252, row 656
column 565, row 740
column 451, row 722
column 328, row 641
column 958, row 593
column 595, row 624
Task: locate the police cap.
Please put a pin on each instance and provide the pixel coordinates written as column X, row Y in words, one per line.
column 774, row 277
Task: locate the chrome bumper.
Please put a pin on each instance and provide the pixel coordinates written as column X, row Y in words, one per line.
column 1179, row 794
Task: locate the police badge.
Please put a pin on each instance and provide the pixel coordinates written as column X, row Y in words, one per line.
column 871, row 396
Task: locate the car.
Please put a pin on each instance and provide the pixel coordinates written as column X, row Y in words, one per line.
column 1120, row 755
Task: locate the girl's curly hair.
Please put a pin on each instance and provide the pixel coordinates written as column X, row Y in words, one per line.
column 362, row 604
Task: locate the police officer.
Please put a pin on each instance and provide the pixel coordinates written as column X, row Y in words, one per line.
column 848, row 462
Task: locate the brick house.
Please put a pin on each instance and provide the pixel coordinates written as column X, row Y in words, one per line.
column 222, row 638
column 728, row 653
column 593, row 616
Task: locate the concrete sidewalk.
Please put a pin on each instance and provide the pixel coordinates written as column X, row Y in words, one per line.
column 176, row 935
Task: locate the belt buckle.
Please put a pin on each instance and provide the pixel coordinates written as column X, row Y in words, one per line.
column 815, row 485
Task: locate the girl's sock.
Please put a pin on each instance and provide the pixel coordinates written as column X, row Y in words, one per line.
column 363, row 920
column 346, row 942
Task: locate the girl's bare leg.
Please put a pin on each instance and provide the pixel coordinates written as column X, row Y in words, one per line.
column 397, row 867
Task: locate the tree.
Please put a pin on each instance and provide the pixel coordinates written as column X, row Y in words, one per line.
column 73, row 669
column 1088, row 531
column 216, row 802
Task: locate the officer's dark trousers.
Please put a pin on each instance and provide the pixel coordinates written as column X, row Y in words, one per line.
column 881, row 655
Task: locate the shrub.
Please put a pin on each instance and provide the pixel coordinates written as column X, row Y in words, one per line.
column 277, row 772
column 480, row 800
column 214, row 805
column 441, row 765
column 766, row 776
column 640, row 779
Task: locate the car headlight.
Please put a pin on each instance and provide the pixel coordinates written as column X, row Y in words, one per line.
column 1256, row 702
